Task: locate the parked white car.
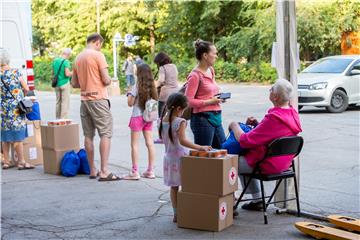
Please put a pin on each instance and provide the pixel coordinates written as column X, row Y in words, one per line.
column 331, row 82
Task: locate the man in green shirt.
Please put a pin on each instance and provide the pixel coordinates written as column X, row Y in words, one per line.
column 62, row 66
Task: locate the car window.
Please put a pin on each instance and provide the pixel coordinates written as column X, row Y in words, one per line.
column 329, row 65
column 356, row 66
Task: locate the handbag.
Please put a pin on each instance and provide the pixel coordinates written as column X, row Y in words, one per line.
column 54, row 80
column 188, row 110
column 158, row 88
column 24, row 106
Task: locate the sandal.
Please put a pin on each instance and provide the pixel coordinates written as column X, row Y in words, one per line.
column 148, row 174
column 7, row 166
column 25, row 166
column 109, row 178
column 94, row 177
column 132, row 176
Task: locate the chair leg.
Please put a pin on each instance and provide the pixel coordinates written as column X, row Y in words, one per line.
column 242, row 193
column 263, row 201
column 273, row 193
column 297, row 196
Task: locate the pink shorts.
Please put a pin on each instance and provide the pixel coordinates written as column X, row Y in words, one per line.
column 138, row 124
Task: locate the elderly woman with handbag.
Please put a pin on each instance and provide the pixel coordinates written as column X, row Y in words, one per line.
column 13, row 125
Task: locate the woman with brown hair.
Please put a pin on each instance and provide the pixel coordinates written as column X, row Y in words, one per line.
column 201, row 91
column 167, row 82
column 142, row 91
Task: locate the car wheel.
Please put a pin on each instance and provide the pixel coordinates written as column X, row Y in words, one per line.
column 300, row 107
column 338, row 102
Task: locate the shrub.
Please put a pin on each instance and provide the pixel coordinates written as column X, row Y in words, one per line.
column 42, row 71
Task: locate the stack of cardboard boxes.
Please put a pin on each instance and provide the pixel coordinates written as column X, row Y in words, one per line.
column 32, row 145
column 56, row 141
column 207, row 197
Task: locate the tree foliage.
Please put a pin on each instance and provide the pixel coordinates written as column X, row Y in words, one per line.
column 242, row 30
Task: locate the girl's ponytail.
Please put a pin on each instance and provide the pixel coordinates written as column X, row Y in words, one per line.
column 170, row 127
column 161, row 121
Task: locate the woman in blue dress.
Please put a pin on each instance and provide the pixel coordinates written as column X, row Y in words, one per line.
column 13, row 124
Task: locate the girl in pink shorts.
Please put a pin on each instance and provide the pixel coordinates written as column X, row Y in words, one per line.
column 143, row 90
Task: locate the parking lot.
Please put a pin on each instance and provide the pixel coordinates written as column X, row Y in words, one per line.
column 329, row 174
column 329, row 179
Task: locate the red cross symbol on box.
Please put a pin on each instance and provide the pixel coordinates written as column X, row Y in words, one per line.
column 223, row 210
column 232, row 174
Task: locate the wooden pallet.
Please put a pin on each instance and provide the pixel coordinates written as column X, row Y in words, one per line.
column 324, row 232
column 348, row 223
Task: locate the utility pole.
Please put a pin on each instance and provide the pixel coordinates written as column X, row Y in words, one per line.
column 287, row 43
column 98, row 16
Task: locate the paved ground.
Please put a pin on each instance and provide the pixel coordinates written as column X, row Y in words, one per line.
column 41, row 206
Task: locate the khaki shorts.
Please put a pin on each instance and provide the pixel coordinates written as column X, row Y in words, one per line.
column 96, row 114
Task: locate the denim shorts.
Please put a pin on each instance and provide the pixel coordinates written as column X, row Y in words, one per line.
column 130, row 80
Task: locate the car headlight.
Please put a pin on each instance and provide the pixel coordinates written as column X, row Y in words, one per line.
column 318, row 86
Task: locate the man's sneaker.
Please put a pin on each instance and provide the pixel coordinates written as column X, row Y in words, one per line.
column 253, row 206
column 148, row 174
column 131, row 176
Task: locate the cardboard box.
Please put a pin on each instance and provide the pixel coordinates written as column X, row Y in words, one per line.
column 33, row 154
column 60, row 138
column 213, row 176
column 34, row 132
column 114, row 88
column 204, row 212
column 52, row 160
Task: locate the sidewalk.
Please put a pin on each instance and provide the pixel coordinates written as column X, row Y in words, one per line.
column 41, row 206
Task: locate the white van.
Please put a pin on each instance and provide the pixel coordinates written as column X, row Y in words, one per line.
column 16, row 36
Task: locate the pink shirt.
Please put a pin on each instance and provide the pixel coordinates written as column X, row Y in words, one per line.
column 201, row 87
column 279, row 122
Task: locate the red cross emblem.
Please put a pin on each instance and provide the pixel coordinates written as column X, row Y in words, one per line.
column 223, row 210
column 232, row 175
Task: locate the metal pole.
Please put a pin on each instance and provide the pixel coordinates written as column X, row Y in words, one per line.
column 115, row 59
column 287, row 39
column 98, row 16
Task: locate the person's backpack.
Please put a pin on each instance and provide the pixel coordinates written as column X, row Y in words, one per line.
column 70, row 164
column 84, row 164
column 150, row 113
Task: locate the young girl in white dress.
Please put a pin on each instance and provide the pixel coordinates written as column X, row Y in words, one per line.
column 172, row 132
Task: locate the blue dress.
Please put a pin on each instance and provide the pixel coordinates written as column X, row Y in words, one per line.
column 13, row 124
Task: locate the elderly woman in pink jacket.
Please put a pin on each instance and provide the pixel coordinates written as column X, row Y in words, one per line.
column 282, row 120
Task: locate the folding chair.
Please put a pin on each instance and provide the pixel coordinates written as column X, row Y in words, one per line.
column 278, row 147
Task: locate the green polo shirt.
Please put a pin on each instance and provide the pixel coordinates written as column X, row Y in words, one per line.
column 62, row 79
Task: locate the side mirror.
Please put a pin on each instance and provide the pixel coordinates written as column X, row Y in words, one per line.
column 354, row 72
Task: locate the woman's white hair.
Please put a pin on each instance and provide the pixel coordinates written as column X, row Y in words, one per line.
column 4, row 57
column 67, row 51
column 283, row 89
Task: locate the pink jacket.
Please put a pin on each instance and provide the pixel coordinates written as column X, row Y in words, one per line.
column 279, row 122
column 200, row 88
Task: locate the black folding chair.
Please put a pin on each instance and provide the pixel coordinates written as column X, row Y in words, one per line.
column 278, row 147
